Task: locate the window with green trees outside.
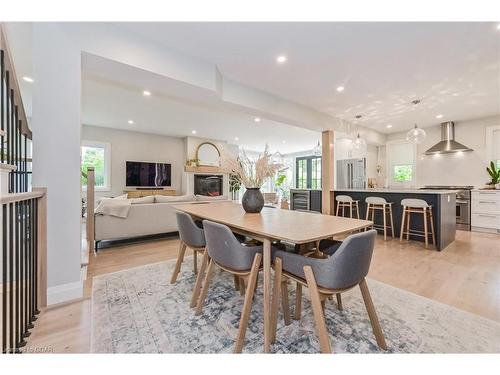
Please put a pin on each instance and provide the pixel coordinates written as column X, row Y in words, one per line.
column 403, row 173
column 94, row 156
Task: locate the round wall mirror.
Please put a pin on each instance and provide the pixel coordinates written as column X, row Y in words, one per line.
column 208, row 154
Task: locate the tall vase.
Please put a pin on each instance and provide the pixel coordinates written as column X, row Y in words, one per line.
column 252, row 200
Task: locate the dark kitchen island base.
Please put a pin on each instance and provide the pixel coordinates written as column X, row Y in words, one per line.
column 443, row 209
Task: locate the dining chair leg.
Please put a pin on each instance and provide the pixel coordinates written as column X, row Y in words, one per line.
column 392, row 221
column 204, row 290
column 199, row 280
column 180, row 259
column 242, row 286
column 350, row 210
column 402, row 225
column 426, row 232
column 339, row 301
column 285, row 303
column 247, row 306
column 357, row 210
column 298, row 302
column 377, row 329
column 195, row 262
column 337, row 210
column 236, row 283
column 278, row 274
column 367, row 213
column 319, row 317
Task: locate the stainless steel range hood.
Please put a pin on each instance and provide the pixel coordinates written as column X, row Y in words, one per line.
column 448, row 143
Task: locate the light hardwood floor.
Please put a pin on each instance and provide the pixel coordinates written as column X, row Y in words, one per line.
column 466, row 275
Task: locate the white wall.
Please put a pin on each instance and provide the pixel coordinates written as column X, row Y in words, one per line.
column 56, row 153
column 135, row 146
column 467, row 168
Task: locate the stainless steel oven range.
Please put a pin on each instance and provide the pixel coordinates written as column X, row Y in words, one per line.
column 463, row 203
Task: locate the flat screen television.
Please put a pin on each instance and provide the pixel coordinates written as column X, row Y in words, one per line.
column 144, row 174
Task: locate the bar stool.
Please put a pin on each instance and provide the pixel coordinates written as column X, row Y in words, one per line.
column 345, row 201
column 378, row 203
column 418, row 206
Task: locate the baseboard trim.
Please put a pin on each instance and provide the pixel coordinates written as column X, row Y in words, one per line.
column 64, row 293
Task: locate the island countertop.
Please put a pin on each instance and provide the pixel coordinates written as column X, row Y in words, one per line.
column 398, row 191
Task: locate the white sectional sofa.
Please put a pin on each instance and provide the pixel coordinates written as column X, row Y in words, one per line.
column 145, row 218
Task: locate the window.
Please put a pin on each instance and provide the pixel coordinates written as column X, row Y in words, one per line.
column 401, row 162
column 308, row 172
column 97, row 155
column 403, row 173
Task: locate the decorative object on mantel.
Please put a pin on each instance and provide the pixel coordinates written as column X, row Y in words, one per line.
column 207, row 154
column 253, row 174
column 193, row 163
column 416, row 135
column 494, row 173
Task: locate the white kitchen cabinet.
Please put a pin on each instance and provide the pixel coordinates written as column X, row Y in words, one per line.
column 485, row 211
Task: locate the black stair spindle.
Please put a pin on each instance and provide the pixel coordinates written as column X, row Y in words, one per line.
column 35, row 262
column 27, row 236
column 11, row 278
column 4, row 278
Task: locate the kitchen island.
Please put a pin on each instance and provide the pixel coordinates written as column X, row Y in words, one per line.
column 443, row 209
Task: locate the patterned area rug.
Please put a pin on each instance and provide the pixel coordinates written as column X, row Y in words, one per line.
column 138, row 311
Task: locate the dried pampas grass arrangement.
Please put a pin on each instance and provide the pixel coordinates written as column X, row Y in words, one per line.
column 252, row 173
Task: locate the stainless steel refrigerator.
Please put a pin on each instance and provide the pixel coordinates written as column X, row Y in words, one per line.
column 351, row 174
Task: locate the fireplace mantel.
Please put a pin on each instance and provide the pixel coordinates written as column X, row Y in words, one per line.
column 203, row 169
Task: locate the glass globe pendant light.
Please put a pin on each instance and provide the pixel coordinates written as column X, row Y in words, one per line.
column 416, row 135
column 317, row 149
column 359, row 143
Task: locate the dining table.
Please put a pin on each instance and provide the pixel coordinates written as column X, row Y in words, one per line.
column 273, row 224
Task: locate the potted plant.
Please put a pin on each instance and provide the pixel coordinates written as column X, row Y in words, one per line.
column 252, row 174
column 494, row 173
column 283, row 190
column 234, row 185
column 193, row 162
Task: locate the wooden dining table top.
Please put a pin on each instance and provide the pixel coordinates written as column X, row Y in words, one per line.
column 294, row 226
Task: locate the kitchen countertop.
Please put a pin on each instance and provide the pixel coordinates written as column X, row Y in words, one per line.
column 399, row 191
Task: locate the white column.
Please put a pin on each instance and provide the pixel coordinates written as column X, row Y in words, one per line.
column 56, row 153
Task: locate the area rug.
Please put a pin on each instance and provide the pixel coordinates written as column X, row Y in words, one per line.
column 139, row 311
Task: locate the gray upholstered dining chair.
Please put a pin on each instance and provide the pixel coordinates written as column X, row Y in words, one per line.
column 225, row 251
column 191, row 235
column 344, row 270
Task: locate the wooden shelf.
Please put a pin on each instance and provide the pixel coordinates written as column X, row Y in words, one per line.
column 203, row 169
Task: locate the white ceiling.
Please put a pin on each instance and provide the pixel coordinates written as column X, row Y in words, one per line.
column 111, row 105
column 453, row 67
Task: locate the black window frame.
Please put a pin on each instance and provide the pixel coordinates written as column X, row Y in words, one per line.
column 309, row 177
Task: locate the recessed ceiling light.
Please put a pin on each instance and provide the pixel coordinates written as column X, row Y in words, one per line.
column 340, row 88
column 28, row 79
column 388, row 126
column 498, row 26
column 455, row 94
column 439, row 116
column 257, row 119
column 236, row 139
column 193, row 131
column 283, row 142
column 130, row 122
column 281, row 59
column 146, row 93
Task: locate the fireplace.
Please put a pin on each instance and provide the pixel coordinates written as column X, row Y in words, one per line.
column 209, row 185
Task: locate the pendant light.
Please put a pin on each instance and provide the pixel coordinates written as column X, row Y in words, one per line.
column 359, row 143
column 317, row 149
column 416, row 135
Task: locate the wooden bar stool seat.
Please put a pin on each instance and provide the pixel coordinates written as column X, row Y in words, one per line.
column 377, row 203
column 345, row 201
column 417, row 206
